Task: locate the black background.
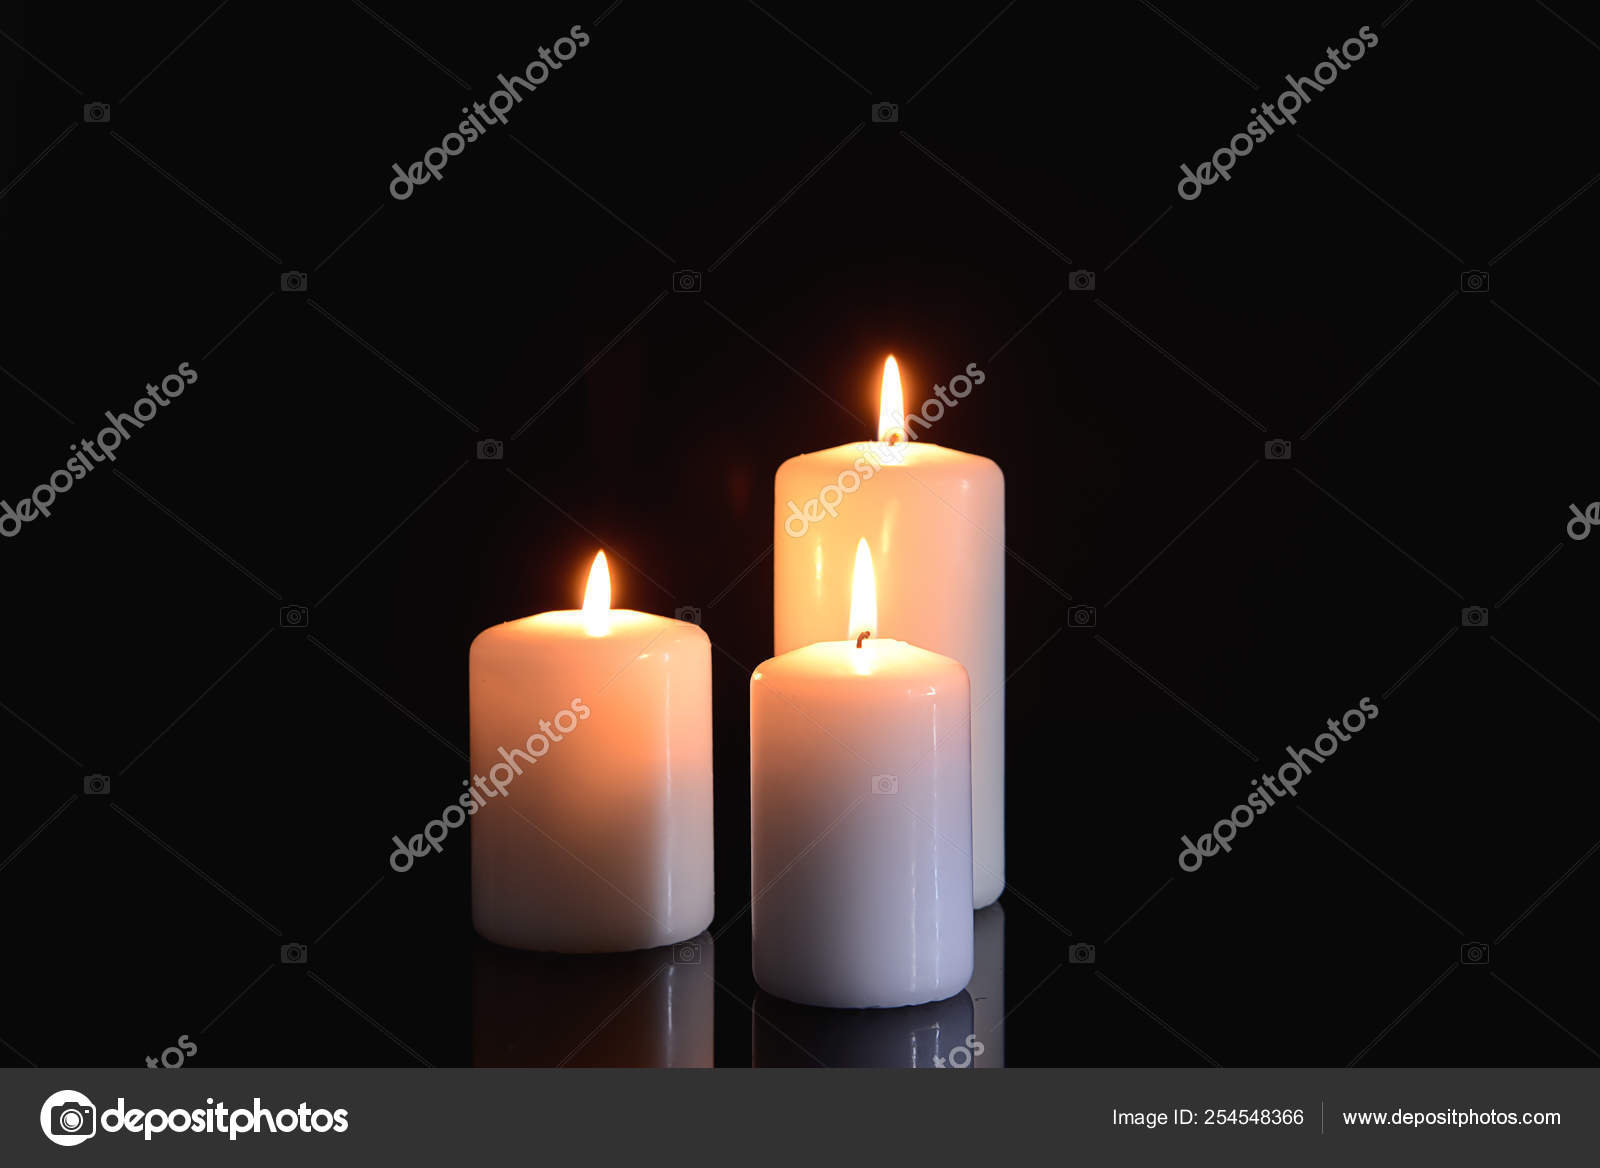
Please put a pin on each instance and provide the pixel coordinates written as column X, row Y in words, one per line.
column 327, row 458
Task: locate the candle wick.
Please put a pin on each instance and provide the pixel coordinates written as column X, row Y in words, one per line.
column 861, row 638
column 894, row 436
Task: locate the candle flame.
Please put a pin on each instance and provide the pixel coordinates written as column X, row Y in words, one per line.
column 597, row 599
column 891, row 405
column 863, row 595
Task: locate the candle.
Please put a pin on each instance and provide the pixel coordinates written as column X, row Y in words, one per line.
column 591, row 761
column 861, row 818
column 935, row 521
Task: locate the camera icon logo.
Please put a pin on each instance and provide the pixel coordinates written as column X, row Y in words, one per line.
column 686, row 953
column 491, row 450
column 1474, row 280
column 294, row 616
column 1475, row 953
column 97, row 113
column 1474, row 617
column 885, row 784
column 292, row 282
column 686, row 280
column 68, row 1118
column 1083, row 616
column 885, row 112
column 1081, row 280
column 1081, row 954
column 1278, row 449
column 96, row 784
column 293, row 954
column 687, row 612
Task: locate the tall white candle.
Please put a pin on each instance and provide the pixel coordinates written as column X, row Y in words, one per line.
column 591, row 759
column 935, row 521
column 861, row 819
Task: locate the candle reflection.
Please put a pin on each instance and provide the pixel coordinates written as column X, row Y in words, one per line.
column 648, row 1008
column 988, row 984
column 783, row 1034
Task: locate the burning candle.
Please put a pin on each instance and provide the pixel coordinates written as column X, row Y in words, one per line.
column 935, row 521
column 591, row 760
column 861, row 818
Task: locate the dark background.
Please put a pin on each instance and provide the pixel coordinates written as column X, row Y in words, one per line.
column 327, row 458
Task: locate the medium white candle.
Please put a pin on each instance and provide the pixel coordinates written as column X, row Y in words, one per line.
column 861, row 819
column 591, row 759
column 935, row 521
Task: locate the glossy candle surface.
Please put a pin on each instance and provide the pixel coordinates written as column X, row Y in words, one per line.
column 598, row 840
column 861, row 824
column 934, row 519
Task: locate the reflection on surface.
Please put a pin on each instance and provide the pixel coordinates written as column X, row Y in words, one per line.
column 651, row 1008
column 783, row 1034
column 988, row 984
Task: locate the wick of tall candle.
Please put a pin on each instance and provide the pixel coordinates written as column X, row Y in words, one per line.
column 864, row 635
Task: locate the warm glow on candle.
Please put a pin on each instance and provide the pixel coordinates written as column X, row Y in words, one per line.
column 597, row 598
column 891, row 405
column 863, row 595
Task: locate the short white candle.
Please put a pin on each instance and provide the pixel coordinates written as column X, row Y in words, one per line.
column 591, row 759
column 861, row 819
column 935, row 521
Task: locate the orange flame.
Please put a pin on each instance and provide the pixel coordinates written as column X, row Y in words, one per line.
column 597, row 599
column 891, row 405
column 863, row 595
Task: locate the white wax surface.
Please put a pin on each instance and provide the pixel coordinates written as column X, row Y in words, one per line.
column 935, row 525
column 861, row 825
column 604, row 842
